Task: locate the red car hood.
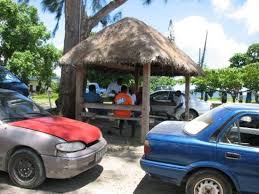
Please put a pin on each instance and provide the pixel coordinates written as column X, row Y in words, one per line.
column 64, row 128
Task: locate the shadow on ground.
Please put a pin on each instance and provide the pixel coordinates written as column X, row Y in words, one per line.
column 59, row 185
column 149, row 185
column 73, row 184
column 112, row 133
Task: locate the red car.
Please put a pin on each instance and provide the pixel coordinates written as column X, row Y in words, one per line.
column 34, row 145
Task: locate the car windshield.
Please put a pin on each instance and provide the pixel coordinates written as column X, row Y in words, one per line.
column 14, row 107
column 200, row 123
column 7, row 77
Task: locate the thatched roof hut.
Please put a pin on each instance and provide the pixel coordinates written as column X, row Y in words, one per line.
column 128, row 44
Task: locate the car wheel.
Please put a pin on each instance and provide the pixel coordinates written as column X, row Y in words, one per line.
column 192, row 115
column 26, row 169
column 208, row 182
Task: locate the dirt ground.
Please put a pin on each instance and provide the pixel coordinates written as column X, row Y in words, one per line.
column 118, row 173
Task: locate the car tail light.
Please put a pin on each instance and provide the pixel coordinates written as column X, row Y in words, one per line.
column 147, row 148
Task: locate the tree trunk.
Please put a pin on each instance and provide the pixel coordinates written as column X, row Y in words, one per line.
column 68, row 73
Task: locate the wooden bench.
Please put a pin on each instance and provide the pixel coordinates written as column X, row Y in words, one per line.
column 110, row 117
column 112, row 107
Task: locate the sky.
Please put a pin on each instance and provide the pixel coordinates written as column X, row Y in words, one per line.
column 232, row 25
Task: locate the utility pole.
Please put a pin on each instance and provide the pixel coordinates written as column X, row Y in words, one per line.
column 204, row 51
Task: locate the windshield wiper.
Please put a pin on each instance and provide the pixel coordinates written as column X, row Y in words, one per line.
column 14, row 119
column 38, row 113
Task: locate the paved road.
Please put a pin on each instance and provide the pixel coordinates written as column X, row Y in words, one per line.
column 118, row 173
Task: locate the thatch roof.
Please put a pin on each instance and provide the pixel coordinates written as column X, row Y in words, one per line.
column 128, row 44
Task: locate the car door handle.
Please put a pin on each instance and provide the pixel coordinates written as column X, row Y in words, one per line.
column 232, row 156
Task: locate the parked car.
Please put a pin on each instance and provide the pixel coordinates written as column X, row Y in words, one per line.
column 35, row 145
column 158, row 88
column 9, row 81
column 215, row 153
column 162, row 104
column 99, row 90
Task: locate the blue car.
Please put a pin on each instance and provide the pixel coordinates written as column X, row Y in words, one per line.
column 216, row 153
column 11, row 82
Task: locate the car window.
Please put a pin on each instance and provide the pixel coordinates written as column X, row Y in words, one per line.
column 200, row 123
column 244, row 131
column 160, row 96
column 17, row 107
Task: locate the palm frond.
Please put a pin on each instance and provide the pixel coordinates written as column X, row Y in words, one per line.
column 97, row 5
column 117, row 16
column 23, row 1
column 56, row 7
column 148, row 2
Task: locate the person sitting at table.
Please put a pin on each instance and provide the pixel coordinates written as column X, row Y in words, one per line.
column 123, row 98
column 93, row 97
column 114, row 87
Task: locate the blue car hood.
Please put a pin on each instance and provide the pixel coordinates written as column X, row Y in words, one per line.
column 169, row 128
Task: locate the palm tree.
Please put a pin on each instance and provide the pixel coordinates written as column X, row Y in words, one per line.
column 78, row 26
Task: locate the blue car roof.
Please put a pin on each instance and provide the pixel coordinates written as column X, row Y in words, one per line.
column 242, row 107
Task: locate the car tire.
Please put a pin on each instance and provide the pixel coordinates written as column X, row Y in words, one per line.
column 208, row 181
column 26, row 169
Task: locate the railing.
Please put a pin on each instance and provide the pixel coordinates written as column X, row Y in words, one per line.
column 112, row 107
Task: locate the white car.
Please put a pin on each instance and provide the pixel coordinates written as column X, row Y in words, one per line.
column 99, row 90
column 162, row 104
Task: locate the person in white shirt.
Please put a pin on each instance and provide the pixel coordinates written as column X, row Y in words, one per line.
column 133, row 96
column 114, row 87
column 179, row 100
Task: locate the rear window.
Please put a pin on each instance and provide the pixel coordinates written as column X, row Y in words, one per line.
column 200, row 123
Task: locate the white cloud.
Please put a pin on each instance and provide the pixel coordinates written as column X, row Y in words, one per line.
column 190, row 36
column 221, row 5
column 248, row 13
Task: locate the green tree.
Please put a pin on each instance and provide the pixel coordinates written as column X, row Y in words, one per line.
column 105, row 79
column 253, row 53
column 207, row 83
column 230, row 80
column 39, row 64
column 250, row 76
column 46, row 63
column 161, row 81
column 24, row 45
column 238, row 60
column 20, row 29
column 22, row 65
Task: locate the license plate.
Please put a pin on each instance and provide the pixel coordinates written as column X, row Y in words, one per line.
column 100, row 154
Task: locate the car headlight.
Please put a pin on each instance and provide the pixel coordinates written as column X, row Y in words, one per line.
column 70, row 147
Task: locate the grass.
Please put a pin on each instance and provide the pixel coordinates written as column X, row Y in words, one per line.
column 42, row 99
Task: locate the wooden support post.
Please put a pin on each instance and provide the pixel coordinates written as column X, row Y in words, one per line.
column 136, row 78
column 187, row 97
column 80, row 73
column 145, row 101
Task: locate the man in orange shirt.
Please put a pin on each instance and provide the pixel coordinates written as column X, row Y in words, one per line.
column 123, row 98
